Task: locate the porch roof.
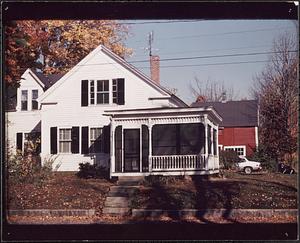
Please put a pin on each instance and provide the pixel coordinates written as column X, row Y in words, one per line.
column 164, row 111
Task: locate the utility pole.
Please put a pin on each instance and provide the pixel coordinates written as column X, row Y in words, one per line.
column 150, row 41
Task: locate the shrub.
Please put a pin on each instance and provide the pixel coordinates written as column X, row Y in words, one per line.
column 267, row 162
column 228, row 158
column 87, row 170
column 27, row 168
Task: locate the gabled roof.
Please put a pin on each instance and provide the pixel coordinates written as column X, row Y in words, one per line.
column 47, row 80
column 122, row 62
column 242, row 113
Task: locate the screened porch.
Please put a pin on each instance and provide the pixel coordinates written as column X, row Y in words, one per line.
column 165, row 141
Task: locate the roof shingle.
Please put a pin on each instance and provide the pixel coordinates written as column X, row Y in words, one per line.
column 242, row 113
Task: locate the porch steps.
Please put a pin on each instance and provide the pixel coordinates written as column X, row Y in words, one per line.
column 117, row 200
column 116, row 211
column 121, row 191
column 130, row 180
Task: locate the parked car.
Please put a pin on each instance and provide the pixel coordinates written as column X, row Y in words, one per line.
column 248, row 166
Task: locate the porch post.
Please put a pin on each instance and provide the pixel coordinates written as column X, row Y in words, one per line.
column 112, row 146
column 212, row 145
column 150, row 145
column 206, row 143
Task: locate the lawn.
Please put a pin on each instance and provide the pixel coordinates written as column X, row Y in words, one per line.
column 260, row 191
column 64, row 190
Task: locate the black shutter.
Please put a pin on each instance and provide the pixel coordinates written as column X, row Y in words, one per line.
column 19, row 141
column 53, row 140
column 75, row 140
column 85, row 140
column 84, row 93
column 121, row 91
column 106, row 140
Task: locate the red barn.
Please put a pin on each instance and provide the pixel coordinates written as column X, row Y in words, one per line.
column 239, row 129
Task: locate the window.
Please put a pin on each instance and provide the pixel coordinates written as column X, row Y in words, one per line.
column 240, row 150
column 92, row 92
column 65, row 140
column 32, row 142
column 24, row 100
column 99, row 92
column 35, row 93
column 102, row 92
column 180, row 139
column 96, row 140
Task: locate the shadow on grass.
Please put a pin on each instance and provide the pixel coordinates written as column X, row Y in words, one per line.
column 214, row 194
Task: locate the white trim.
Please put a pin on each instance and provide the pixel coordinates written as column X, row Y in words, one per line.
column 256, row 137
column 238, row 146
column 166, row 173
column 36, row 78
column 58, row 139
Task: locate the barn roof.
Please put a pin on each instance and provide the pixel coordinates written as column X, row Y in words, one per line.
column 242, row 113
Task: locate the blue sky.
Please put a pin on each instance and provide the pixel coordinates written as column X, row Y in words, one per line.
column 206, row 38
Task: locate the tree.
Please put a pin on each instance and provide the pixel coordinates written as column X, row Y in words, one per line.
column 55, row 46
column 276, row 87
column 211, row 91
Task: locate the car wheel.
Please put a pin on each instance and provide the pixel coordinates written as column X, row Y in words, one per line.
column 248, row 170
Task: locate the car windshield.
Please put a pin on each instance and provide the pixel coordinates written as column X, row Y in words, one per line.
column 242, row 160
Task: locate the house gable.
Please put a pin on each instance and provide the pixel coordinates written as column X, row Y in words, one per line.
column 30, row 86
column 101, row 64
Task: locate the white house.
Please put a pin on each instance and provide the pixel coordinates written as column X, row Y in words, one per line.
column 105, row 111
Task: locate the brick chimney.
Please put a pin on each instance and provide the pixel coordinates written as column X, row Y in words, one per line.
column 154, row 68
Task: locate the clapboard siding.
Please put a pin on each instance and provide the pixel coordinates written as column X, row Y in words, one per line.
column 237, row 136
column 20, row 122
column 68, row 111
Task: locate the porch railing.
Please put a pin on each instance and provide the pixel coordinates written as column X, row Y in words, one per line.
column 177, row 162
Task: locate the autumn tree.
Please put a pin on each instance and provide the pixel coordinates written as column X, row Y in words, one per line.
column 55, row 46
column 276, row 88
column 210, row 90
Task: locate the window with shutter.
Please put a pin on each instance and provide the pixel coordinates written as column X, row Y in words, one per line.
column 65, row 140
column 96, row 140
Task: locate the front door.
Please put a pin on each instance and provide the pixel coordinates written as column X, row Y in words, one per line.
column 131, row 150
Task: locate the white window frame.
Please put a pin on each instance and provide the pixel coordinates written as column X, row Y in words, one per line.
column 32, row 99
column 109, row 92
column 236, row 147
column 27, row 109
column 91, row 142
column 65, row 140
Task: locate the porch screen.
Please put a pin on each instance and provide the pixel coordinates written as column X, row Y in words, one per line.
column 145, row 148
column 178, row 139
column 118, row 149
column 209, row 139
